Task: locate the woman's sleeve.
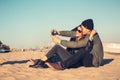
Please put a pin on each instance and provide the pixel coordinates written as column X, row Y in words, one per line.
column 68, row 33
column 75, row 44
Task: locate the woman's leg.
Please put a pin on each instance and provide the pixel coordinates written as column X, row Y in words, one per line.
column 73, row 60
column 60, row 51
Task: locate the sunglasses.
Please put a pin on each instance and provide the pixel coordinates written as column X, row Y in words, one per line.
column 80, row 31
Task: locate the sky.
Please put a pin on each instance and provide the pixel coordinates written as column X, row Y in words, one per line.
column 28, row 23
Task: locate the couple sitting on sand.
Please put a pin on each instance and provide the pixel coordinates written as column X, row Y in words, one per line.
column 84, row 49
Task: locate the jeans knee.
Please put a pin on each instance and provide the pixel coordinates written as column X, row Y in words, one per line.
column 58, row 46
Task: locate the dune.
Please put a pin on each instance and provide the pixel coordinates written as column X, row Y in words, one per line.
column 14, row 66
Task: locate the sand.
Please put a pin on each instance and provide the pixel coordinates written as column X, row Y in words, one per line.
column 14, row 66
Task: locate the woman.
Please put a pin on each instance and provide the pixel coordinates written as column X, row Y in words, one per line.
column 59, row 52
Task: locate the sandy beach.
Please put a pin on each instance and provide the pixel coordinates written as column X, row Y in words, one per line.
column 14, row 66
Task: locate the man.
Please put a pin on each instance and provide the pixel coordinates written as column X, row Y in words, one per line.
column 77, row 51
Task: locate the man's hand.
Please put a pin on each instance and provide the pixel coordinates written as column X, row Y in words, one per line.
column 56, row 39
column 93, row 32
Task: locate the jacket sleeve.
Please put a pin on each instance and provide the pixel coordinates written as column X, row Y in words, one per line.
column 75, row 44
column 68, row 33
column 97, row 51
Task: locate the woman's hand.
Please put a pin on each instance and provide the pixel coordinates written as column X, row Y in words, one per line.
column 56, row 39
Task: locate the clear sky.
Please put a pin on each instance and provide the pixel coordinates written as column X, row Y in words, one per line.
column 27, row 23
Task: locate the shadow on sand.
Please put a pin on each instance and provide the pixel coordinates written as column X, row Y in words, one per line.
column 106, row 61
column 14, row 62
